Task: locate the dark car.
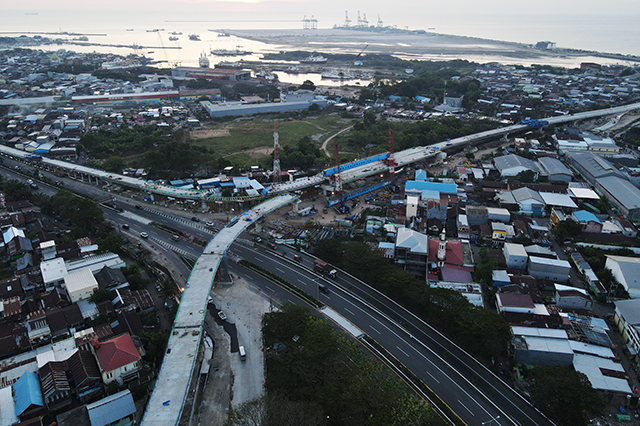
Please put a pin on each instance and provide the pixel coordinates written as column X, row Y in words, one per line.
column 125, row 226
column 138, row 206
column 195, row 219
column 323, row 288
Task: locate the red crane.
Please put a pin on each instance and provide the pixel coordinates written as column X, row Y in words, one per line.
column 391, row 162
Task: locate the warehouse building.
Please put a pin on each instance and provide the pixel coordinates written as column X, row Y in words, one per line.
column 549, row 269
column 591, row 166
column 622, row 194
column 555, row 170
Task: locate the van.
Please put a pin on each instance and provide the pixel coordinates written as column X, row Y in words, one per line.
column 243, row 353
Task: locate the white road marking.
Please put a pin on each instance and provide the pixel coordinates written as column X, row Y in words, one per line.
column 349, row 311
column 402, row 351
column 259, row 260
column 279, row 270
column 269, row 288
column 371, row 327
column 431, row 375
column 466, row 408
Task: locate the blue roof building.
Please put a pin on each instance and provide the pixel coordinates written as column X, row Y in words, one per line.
column 583, row 216
column 444, row 188
column 421, row 175
column 27, row 393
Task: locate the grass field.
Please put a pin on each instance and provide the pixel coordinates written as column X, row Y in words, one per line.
column 242, row 138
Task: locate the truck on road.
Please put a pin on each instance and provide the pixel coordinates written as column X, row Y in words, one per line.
column 325, row 268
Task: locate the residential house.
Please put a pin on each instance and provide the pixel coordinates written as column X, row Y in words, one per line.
column 118, row 359
column 411, row 251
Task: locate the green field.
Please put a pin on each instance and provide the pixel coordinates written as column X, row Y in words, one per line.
column 245, row 135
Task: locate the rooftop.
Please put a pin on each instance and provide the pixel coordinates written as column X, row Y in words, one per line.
column 117, row 352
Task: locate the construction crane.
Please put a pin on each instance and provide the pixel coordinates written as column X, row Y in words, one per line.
column 337, row 181
column 347, row 21
column 343, row 73
column 379, row 22
column 305, row 23
column 391, row 162
column 313, row 23
column 276, row 155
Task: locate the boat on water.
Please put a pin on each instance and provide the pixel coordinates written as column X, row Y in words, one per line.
column 129, row 29
column 173, row 38
column 175, row 33
column 230, row 52
column 229, row 65
column 225, row 34
column 135, row 46
column 292, row 70
column 267, row 77
column 314, row 59
column 338, row 75
column 194, row 37
column 203, row 61
column 155, row 30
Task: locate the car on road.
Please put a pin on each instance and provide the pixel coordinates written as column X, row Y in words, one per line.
column 144, row 235
column 323, row 288
column 210, row 224
column 209, row 300
column 297, row 258
column 258, row 240
column 273, row 246
column 125, row 226
column 138, row 206
column 222, row 315
column 195, row 219
column 33, row 186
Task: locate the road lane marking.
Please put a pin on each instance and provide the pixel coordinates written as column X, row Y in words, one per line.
column 466, row 408
column 371, row 327
column 437, row 381
column 302, row 282
column 349, row 311
column 259, row 260
column 280, row 270
column 402, row 351
column 269, row 288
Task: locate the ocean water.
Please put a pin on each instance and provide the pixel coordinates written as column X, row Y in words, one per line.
column 607, row 33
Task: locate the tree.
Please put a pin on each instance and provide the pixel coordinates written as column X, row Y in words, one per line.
column 565, row 395
column 470, row 156
column 308, row 85
column 527, row 176
column 113, row 164
column 100, row 296
column 567, row 229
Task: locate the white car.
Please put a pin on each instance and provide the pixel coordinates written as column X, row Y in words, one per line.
column 209, row 300
column 222, row 315
column 144, row 235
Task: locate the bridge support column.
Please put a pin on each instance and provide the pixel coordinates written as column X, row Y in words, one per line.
column 223, row 272
column 204, row 205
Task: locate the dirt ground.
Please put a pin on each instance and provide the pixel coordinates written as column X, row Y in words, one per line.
column 209, row 133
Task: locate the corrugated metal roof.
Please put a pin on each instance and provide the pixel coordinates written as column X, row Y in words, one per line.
column 27, row 392
column 554, row 166
column 111, row 409
column 622, row 190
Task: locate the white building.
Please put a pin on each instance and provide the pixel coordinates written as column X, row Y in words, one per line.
column 626, row 270
column 515, row 255
column 549, row 269
column 53, row 272
column 80, row 284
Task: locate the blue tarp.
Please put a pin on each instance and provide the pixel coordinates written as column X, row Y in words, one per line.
column 26, row 392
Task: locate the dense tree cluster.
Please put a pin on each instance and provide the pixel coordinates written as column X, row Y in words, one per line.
column 372, row 134
column 481, row 331
column 305, row 154
column 565, row 395
column 314, row 373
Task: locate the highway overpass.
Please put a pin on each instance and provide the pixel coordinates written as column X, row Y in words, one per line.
column 349, row 171
column 178, row 365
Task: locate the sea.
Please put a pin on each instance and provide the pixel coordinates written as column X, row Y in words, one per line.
column 604, row 33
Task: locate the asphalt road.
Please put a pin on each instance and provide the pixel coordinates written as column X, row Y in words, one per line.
column 458, row 380
column 414, row 345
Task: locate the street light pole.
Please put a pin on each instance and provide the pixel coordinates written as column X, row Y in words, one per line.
column 488, row 422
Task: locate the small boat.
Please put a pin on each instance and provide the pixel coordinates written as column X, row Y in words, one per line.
column 175, row 33
column 292, row 70
column 129, row 29
column 313, row 59
column 194, row 37
column 203, row 61
column 173, row 38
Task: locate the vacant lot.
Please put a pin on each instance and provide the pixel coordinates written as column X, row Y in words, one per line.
column 253, row 139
